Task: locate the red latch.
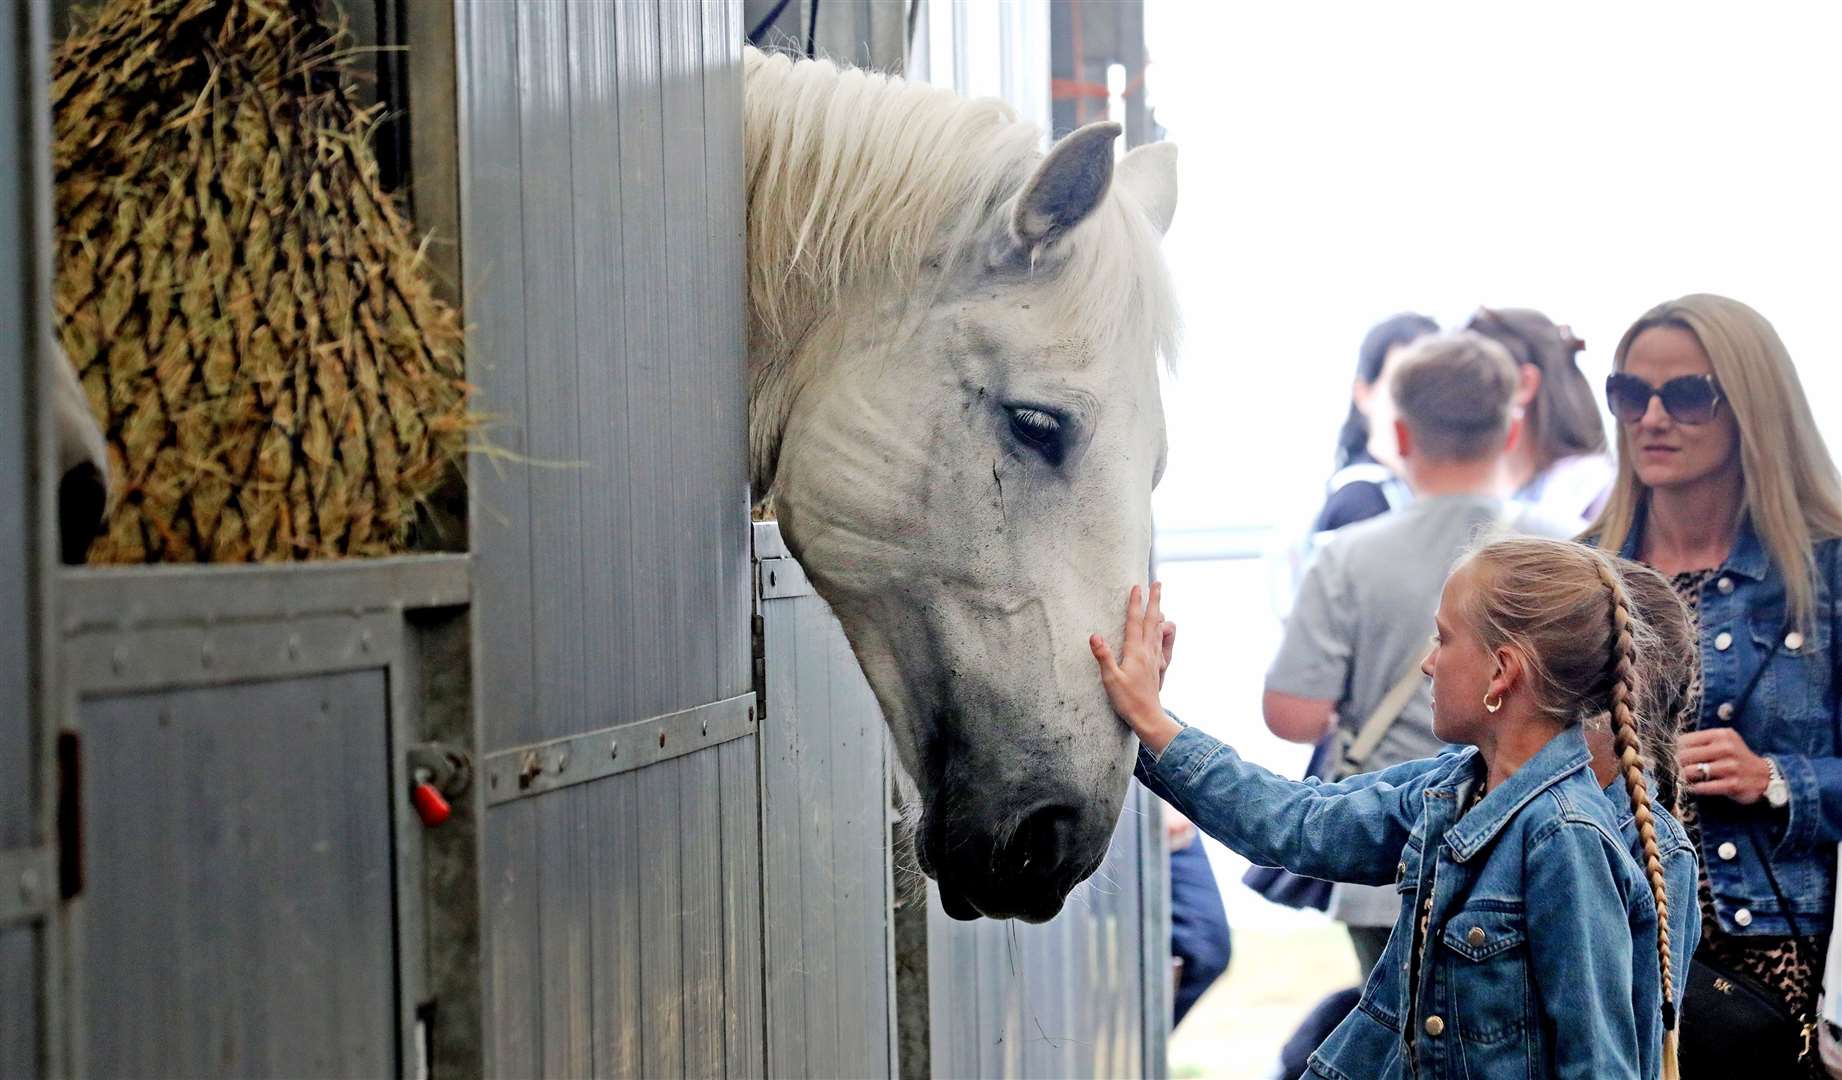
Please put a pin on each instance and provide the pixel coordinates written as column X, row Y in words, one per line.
column 431, row 807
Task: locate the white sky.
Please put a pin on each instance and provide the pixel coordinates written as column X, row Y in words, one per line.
column 1341, row 162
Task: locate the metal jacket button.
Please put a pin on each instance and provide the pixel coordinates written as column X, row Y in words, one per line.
column 1742, row 917
column 1476, row 937
column 1725, row 712
column 1435, row 1026
column 1723, row 641
column 1400, row 872
column 1727, row 851
column 1725, row 585
column 1794, row 641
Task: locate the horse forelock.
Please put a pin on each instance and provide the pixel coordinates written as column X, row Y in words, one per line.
column 855, row 177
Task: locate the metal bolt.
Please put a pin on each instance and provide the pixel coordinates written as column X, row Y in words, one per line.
column 28, row 885
column 706, row 725
column 118, row 660
column 613, row 748
column 661, row 739
column 560, row 762
column 751, row 714
column 531, row 771
column 771, row 578
column 294, row 646
column 204, row 654
column 364, row 641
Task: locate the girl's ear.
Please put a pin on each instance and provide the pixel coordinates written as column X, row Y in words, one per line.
column 1511, row 673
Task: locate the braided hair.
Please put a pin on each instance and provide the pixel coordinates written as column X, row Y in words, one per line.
column 1631, row 759
column 1587, row 651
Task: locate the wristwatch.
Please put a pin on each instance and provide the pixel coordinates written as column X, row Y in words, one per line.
column 1777, row 792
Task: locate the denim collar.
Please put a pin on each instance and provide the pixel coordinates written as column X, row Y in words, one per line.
column 1748, row 559
column 1564, row 755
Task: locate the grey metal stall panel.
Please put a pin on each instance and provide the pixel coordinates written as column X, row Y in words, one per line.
column 19, row 1015
column 1083, row 995
column 603, row 272
column 237, row 913
column 30, row 1021
column 825, row 784
column 602, row 246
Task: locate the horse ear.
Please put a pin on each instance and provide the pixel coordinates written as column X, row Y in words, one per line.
column 1066, row 187
column 1149, row 174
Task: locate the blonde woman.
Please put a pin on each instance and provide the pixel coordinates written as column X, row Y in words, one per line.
column 1529, row 941
column 1725, row 486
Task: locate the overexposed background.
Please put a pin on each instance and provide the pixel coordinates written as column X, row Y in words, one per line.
column 1342, row 162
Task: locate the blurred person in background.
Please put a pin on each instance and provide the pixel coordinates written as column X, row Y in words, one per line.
column 1200, row 944
column 1561, row 464
column 1366, row 481
column 1348, row 666
column 1725, row 485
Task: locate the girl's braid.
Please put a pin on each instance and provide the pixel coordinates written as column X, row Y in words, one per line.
column 1631, row 757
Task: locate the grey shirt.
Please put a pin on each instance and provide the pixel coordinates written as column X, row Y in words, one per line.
column 1364, row 618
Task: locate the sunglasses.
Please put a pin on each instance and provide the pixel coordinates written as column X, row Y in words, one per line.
column 1688, row 399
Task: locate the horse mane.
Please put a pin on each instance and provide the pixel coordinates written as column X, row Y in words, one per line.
column 858, row 178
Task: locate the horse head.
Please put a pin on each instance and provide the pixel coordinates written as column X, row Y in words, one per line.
column 955, row 411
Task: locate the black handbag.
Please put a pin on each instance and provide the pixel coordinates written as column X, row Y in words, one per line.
column 1731, row 1024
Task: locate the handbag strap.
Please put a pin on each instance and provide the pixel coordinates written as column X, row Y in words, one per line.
column 1370, row 734
column 1394, row 702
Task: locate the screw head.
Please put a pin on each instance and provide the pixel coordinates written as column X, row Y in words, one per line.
column 28, row 885
column 613, row 748
column 118, row 660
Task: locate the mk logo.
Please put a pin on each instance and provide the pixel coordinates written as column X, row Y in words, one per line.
column 1723, row 986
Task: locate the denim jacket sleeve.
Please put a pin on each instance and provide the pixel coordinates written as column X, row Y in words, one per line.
column 1580, row 954
column 1814, row 814
column 1350, row 831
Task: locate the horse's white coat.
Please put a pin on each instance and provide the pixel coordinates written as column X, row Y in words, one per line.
column 918, row 273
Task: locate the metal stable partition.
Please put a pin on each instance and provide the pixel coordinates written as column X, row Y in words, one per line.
column 248, row 877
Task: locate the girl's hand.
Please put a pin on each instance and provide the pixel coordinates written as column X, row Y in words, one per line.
column 1732, row 769
column 1132, row 681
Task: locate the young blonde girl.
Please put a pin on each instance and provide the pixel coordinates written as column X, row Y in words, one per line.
column 1529, row 941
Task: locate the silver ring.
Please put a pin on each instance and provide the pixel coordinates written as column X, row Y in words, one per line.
column 1705, row 772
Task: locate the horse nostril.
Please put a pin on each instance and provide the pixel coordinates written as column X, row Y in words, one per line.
column 1041, row 843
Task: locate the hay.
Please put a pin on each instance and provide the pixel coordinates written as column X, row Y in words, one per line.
column 248, row 310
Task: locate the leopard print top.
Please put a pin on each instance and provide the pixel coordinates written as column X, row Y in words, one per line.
column 1778, row 963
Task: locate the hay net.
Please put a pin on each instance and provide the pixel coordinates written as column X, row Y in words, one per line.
column 249, row 312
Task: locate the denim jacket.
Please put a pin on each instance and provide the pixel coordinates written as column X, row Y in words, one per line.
column 1540, row 955
column 1790, row 718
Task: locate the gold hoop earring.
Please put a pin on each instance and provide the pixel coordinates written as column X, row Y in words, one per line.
column 1488, row 707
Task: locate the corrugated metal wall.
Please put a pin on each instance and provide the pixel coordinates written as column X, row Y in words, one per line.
column 601, row 238
column 237, row 911
column 825, row 789
column 1086, row 994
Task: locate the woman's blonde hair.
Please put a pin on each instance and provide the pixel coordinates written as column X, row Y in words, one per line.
column 1792, row 492
column 1566, row 611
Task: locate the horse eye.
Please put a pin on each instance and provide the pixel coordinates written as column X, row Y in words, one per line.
column 1039, row 430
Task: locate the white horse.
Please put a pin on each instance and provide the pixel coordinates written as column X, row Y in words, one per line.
column 953, row 344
